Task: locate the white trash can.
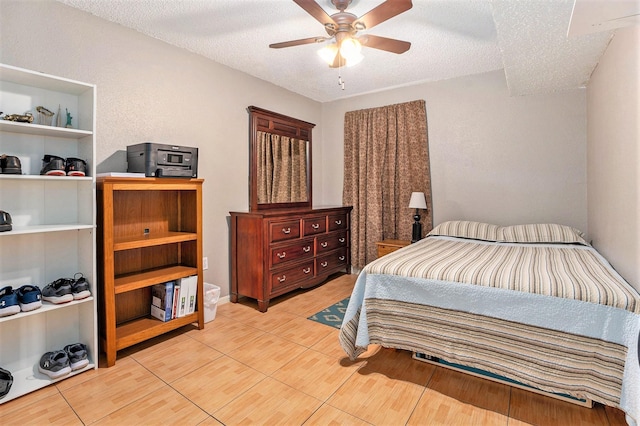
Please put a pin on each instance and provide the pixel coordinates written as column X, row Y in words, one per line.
column 211, row 296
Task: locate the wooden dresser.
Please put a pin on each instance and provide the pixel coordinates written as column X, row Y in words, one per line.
column 276, row 251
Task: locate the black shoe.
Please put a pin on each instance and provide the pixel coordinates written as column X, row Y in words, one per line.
column 75, row 167
column 52, row 165
column 5, row 221
column 80, row 287
column 10, row 164
column 6, row 380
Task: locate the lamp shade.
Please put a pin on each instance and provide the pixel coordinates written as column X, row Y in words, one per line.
column 418, row 201
column 328, row 53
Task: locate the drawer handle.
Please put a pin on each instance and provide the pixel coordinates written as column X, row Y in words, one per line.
column 315, row 225
column 282, row 255
column 324, row 264
column 341, row 240
column 341, row 258
column 306, row 249
column 338, row 222
column 324, row 244
column 286, row 230
column 282, row 278
column 306, row 270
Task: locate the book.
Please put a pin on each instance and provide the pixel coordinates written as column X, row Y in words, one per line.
column 182, row 300
column 176, row 299
column 192, row 284
column 193, row 294
column 162, row 300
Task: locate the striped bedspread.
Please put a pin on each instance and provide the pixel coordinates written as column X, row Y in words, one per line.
column 554, row 316
column 567, row 271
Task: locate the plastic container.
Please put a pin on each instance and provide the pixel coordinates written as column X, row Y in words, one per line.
column 211, row 296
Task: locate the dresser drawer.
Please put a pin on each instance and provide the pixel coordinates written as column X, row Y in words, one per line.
column 287, row 276
column 328, row 242
column 314, row 225
column 331, row 262
column 337, row 221
column 291, row 252
column 285, row 230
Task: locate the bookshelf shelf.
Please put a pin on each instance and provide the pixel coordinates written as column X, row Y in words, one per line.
column 128, row 243
column 145, row 279
column 142, row 329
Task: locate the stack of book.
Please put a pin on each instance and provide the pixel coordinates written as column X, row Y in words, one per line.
column 174, row 299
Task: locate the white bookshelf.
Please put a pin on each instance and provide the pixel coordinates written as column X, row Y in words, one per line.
column 54, row 222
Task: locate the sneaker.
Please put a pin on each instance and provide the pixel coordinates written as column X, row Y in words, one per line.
column 55, row 364
column 5, row 221
column 6, row 380
column 10, row 165
column 53, row 165
column 78, row 355
column 58, row 291
column 80, row 287
column 29, row 298
column 75, row 167
column 8, row 302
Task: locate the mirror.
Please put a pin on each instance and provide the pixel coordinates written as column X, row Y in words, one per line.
column 279, row 161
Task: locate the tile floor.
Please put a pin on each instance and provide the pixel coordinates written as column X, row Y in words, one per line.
column 278, row 368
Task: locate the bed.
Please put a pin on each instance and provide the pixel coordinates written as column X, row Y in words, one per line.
column 533, row 303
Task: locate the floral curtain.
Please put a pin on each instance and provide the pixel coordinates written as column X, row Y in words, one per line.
column 282, row 169
column 386, row 158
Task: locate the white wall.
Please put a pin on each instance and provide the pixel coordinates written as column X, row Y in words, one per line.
column 148, row 90
column 613, row 167
column 494, row 158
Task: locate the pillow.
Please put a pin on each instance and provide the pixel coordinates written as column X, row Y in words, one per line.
column 541, row 233
column 467, row 229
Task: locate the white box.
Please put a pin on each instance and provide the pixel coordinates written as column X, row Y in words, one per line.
column 162, row 300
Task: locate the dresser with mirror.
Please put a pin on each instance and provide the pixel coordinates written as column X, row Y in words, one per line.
column 283, row 243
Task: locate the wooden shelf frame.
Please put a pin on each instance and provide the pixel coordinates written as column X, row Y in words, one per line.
column 150, row 232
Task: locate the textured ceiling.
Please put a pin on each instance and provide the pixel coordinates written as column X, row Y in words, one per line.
column 449, row 38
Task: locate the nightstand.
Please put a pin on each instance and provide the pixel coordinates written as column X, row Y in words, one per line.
column 388, row 246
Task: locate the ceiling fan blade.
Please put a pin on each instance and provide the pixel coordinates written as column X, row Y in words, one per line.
column 298, row 42
column 314, row 9
column 383, row 43
column 382, row 12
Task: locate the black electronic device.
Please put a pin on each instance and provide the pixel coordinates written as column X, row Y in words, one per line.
column 5, row 221
column 160, row 160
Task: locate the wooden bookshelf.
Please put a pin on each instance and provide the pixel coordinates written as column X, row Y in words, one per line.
column 150, row 232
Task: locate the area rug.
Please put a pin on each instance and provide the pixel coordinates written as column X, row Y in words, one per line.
column 333, row 315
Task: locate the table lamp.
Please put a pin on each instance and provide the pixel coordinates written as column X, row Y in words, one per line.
column 418, row 201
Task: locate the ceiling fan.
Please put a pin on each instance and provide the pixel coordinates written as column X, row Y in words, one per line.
column 344, row 26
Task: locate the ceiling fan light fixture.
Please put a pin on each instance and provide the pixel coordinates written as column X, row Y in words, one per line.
column 328, row 53
column 350, row 47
